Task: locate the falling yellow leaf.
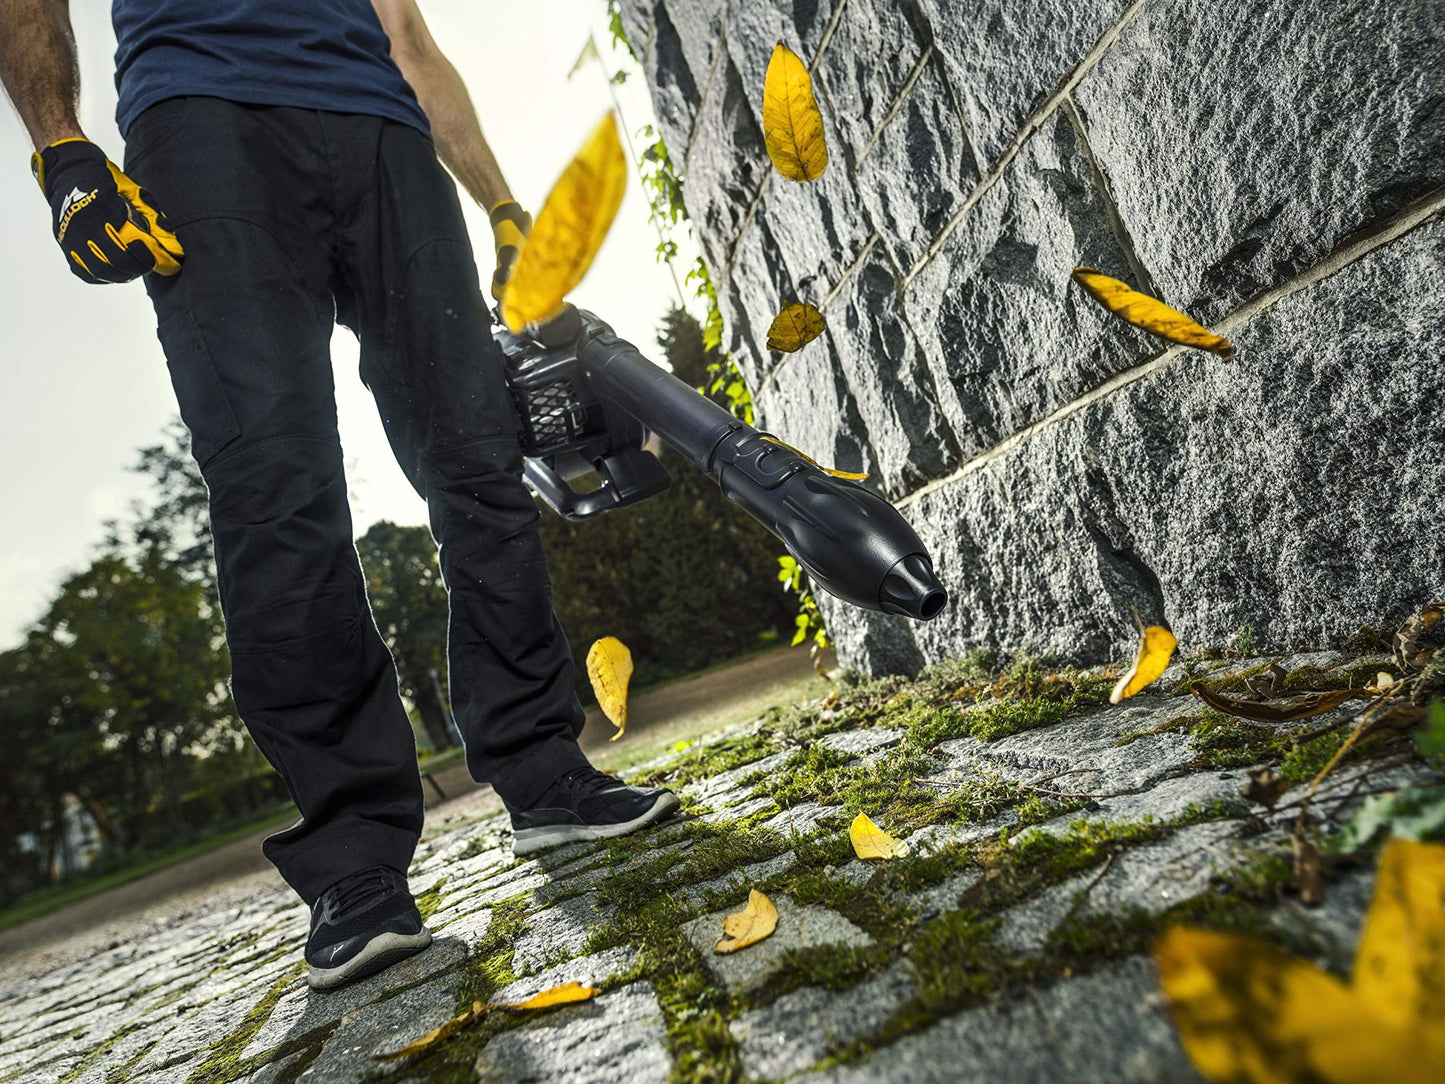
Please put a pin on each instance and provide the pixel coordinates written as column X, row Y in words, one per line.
column 566, row 994
column 851, row 476
column 1247, row 1012
column 1151, row 314
column 1156, row 647
column 750, row 925
column 792, row 123
column 795, row 327
column 569, row 230
column 609, row 668
column 870, row 841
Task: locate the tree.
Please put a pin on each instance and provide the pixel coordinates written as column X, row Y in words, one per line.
column 409, row 601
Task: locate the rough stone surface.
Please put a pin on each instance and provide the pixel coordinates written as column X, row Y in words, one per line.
column 1005, row 57
column 1054, row 541
column 558, row 933
column 616, row 1039
column 919, row 171
column 788, row 1036
column 1215, row 155
column 1105, row 1027
column 1333, row 116
column 382, row 1027
column 800, row 926
column 1007, row 333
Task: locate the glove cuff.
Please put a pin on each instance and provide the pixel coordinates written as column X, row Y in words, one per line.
column 48, row 161
column 509, row 210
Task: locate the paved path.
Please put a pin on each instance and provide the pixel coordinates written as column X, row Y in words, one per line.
column 1009, row 945
column 687, row 707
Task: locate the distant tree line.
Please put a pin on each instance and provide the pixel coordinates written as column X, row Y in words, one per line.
column 116, row 703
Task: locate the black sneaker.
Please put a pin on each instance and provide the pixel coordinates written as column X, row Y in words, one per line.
column 586, row 804
column 361, row 925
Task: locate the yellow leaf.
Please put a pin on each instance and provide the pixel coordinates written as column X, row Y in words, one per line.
column 1247, row 1012
column 1156, row 647
column 750, row 925
column 1151, row 314
column 870, row 841
column 792, row 124
column 795, row 327
column 569, row 230
column 851, row 476
column 436, row 1035
column 609, row 668
column 1400, row 964
column 566, row 994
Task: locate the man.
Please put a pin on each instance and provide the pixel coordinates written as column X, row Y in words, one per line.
column 280, row 173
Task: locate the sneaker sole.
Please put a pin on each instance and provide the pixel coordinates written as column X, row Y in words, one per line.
column 531, row 840
column 379, row 954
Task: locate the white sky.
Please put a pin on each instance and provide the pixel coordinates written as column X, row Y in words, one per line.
column 84, row 381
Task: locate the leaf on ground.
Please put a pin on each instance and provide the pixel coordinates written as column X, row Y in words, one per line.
column 609, row 668
column 567, row 994
column 747, row 927
column 1400, row 719
column 1156, row 648
column 792, row 122
column 1149, row 313
column 568, row 231
column 1308, row 876
column 1264, row 787
column 1420, row 637
column 436, row 1035
column 870, row 841
column 795, row 327
column 1246, row 1011
column 1285, row 710
column 1267, row 684
column 848, row 475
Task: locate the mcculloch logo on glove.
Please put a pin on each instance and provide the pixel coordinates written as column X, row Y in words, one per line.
column 73, row 203
column 102, row 219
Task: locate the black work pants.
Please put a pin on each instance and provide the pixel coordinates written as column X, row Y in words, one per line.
column 291, row 218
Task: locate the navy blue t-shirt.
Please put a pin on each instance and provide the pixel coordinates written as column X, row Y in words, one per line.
column 314, row 54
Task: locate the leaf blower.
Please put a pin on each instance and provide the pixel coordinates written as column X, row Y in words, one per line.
column 587, row 401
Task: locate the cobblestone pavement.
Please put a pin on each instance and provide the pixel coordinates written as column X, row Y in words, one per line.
column 1052, row 839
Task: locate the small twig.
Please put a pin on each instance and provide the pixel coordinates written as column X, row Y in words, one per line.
column 1083, row 893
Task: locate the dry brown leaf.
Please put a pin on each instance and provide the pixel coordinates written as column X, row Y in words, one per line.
column 747, row 927
column 1275, row 711
column 870, row 841
column 1149, row 313
column 1401, row 719
column 609, row 668
column 1267, row 684
column 1247, row 1012
column 569, row 230
column 1307, row 875
column 566, row 994
column 795, row 327
column 849, row 475
column 1156, row 647
column 792, row 122
column 1264, row 787
column 1420, row 637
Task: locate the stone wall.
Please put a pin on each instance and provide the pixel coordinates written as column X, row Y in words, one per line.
column 1275, row 168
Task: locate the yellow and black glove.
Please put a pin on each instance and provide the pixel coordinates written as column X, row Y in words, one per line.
column 102, row 219
column 510, row 226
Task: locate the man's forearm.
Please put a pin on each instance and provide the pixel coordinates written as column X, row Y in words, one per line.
column 38, row 67
column 455, row 128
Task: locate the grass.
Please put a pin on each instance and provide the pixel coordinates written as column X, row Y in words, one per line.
column 46, row 900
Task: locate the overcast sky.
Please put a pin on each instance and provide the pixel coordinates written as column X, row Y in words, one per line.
column 84, row 379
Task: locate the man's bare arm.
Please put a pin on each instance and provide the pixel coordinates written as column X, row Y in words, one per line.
column 39, row 69
column 443, row 96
